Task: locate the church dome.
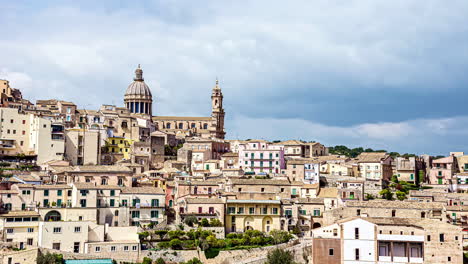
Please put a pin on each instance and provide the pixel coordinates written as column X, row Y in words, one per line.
column 138, row 87
column 138, row 98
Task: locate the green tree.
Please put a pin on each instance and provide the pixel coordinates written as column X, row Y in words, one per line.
column 401, row 195
column 280, row 256
column 394, row 178
column 280, row 236
column 215, row 222
column 386, row 194
column 190, row 220
column 160, row 261
column 49, row 258
column 147, row 260
column 204, row 222
column 175, row 244
column 421, row 177
column 193, row 261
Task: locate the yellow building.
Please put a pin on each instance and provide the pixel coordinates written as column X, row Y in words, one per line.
column 119, row 145
column 262, row 215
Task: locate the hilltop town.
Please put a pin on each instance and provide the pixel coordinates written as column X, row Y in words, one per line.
column 121, row 183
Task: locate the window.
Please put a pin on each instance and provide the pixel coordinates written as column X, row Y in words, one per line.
column 112, row 249
column 57, row 230
column 441, row 238
column 316, row 212
column 125, row 248
column 97, row 249
column 274, row 211
column 77, row 229
column 10, row 231
column 135, row 214
column 46, row 192
column 331, row 252
column 59, row 192
column 358, row 212
column 30, row 241
column 112, row 202
column 30, row 230
column 134, row 248
column 155, row 214
column 356, row 233
column 56, row 246
column 423, row 215
column 83, row 202
column 76, row 247
column 112, row 193
column 155, row 202
column 263, row 190
column 240, row 210
column 356, row 253
column 393, row 213
column 251, row 210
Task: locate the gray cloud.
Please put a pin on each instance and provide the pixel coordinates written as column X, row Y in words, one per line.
column 355, row 64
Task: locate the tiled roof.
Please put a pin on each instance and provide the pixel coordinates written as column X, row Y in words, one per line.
column 92, row 186
column 260, row 182
column 20, row 213
column 143, row 190
column 204, row 200
column 181, row 118
column 371, row 156
column 328, row 193
column 395, row 204
column 52, row 186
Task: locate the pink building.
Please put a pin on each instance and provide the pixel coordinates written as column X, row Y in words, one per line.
column 442, row 170
column 261, row 157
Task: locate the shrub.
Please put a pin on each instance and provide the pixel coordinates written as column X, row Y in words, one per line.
column 161, row 233
column 280, row 236
column 386, row 194
column 204, row 222
column 370, row 196
column 214, row 222
column 175, row 234
column 160, row 261
column 401, row 195
column 147, row 260
column 164, row 245
column 280, row 256
column 50, row 259
column 232, row 235
column 193, row 261
column 190, row 220
column 175, row 244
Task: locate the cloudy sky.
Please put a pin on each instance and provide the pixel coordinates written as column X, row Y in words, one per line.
column 373, row 73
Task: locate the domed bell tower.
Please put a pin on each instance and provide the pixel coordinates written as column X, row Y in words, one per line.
column 217, row 112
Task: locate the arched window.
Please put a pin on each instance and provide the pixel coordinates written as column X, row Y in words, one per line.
column 205, row 126
column 116, row 213
column 168, row 125
column 53, row 216
column 192, row 125
column 181, row 126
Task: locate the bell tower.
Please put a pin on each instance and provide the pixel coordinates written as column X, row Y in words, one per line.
column 217, row 112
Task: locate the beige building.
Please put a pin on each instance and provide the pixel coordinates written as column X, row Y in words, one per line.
column 83, row 146
column 262, row 215
column 20, row 227
column 210, row 208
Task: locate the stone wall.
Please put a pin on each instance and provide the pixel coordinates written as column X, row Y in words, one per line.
column 300, row 248
column 26, row 256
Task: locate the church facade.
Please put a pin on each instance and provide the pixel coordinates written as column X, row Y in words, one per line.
column 138, row 100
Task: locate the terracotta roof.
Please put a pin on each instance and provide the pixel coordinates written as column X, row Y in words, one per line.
column 143, row 190
column 52, row 186
column 92, row 186
column 204, row 200
column 230, row 154
column 8, row 192
column 20, row 213
column 311, row 186
column 372, row 156
column 395, row 204
column 260, row 182
column 101, row 168
column 180, row 118
column 328, row 193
